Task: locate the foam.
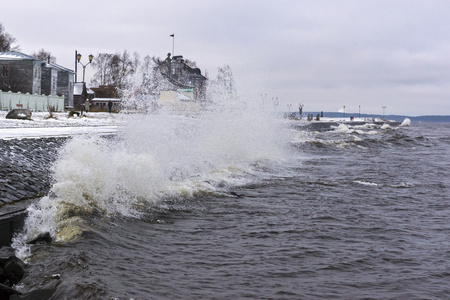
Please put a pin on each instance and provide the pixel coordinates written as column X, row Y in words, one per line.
column 154, row 157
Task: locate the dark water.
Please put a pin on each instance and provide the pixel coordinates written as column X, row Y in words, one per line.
column 354, row 213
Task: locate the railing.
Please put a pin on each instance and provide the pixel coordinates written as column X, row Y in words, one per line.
column 34, row 102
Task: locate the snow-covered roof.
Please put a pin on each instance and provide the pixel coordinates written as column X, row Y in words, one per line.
column 14, row 55
column 55, row 66
column 78, row 88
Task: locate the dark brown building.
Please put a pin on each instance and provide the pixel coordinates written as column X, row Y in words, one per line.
column 103, row 95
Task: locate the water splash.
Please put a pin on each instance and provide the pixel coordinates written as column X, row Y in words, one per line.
column 406, row 122
column 155, row 157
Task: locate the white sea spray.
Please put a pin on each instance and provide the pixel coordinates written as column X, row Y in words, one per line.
column 154, row 157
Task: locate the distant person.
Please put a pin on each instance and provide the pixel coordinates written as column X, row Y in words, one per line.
column 86, row 105
column 110, row 106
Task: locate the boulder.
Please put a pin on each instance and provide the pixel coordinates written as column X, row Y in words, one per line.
column 42, row 238
column 44, row 293
column 6, row 291
column 73, row 114
column 19, row 113
column 14, row 269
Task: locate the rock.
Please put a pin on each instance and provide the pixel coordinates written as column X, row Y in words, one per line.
column 40, row 294
column 14, row 269
column 6, row 252
column 42, row 238
column 6, row 292
column 73, row 113
column 19, row 113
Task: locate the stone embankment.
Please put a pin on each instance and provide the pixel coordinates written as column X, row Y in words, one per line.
column 25, row 175
column 25, row 167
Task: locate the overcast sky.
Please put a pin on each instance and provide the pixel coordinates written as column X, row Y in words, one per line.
column 325, row 54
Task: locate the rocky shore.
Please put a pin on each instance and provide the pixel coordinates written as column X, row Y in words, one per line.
column 25, row 167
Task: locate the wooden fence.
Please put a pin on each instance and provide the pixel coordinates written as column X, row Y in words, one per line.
column 34, row 102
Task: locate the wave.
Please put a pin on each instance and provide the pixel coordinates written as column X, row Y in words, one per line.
column 334, row 136
column 154, row 158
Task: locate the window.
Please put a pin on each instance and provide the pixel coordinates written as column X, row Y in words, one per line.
column 5, row 71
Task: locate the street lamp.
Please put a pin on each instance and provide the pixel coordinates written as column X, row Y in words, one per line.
column 275, row 102
column 359, row 106
column 344, row 111
column 289, row 107
column 78, row 57
column 383, row 107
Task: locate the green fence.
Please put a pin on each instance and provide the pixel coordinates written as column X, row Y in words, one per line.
column 34, row 102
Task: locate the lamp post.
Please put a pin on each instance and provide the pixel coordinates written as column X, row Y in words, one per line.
column 78, row 58
column 344, row 111
column 289, row 107
column 383, row 107
column 275, row 102
column 359, row 116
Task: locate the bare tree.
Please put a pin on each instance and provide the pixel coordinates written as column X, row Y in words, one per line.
column 114, row 69
column 7, row 41
column 148, row 84
column 225, row 78
column 223, row 86
column 44, row 55
column 101, row 64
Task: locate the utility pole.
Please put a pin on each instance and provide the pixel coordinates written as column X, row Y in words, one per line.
column 173, row 44
column 76, row 60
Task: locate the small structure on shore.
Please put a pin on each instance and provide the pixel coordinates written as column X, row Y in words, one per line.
column 104, row 95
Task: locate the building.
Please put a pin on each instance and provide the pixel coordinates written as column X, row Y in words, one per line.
column 183, row 77
column 102, row 96
column 80, row 95
column 57, row 80
column 26, row 74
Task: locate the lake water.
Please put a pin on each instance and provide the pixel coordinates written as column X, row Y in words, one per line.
column 239, row 206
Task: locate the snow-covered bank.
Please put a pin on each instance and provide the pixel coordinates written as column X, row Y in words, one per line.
column 60, row 125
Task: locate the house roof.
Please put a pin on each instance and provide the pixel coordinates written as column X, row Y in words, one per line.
column 14, row 55
column 58, row 67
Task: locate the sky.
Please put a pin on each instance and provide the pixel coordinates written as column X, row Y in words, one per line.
column 324, row 54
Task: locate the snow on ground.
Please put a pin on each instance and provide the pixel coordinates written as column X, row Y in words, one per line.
column 60, row 125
